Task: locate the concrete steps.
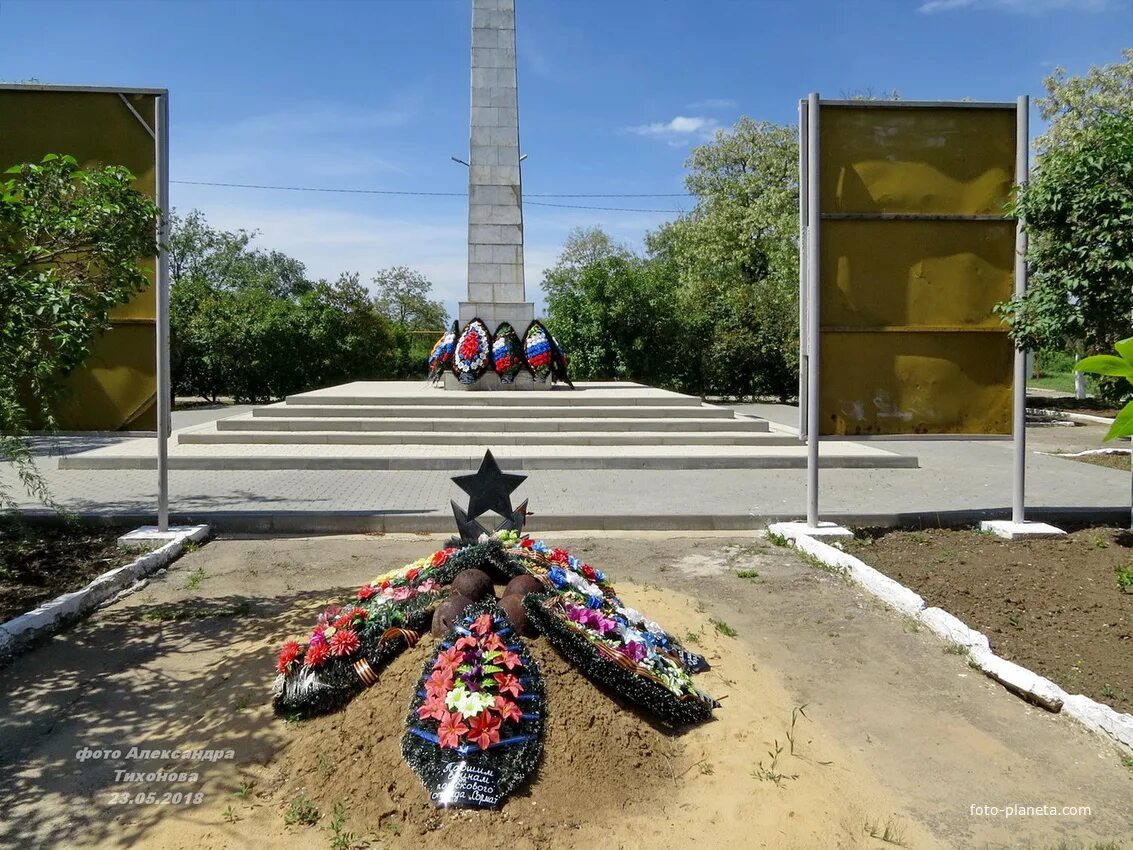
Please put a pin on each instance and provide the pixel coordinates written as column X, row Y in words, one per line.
column 403, row 425
column 442, row 437
column 495, row 425
column 482, row 411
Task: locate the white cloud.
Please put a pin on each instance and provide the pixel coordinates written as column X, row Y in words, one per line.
column 929, row 7
column 680, row 131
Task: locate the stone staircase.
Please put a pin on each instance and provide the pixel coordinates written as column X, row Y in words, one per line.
column 408, row 425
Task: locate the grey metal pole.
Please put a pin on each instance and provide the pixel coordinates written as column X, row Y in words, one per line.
column 803, row 280
column 1022, row 166
column 163, row 389
column 812, row 266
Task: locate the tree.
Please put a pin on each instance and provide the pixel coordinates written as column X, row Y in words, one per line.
column 226, row 260
column 618, row 320
column 1078, row 212
column 70, row 243
column 736, row 255
column 403, row 297
column 583, row 247
column 1076, row 104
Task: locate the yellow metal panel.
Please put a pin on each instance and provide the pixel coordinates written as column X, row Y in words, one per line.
column 112, row 389
column 915, row 383
column 116, row 387
column 909, row 341
column 942, row 274
column 916, row 160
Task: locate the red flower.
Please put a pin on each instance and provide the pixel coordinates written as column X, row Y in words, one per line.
column 482, row 625
column 450, row 730
column 366, row 591
column 508, row 710
column 344, row 642
column 441, row 558
column 317, row 653
column 588, row 572
column 510, row 660
column 526, row 542
column 433, row 707
column 484, row 729
column 508, row 684
column 412, row 574
column 290, row 651
column 384, row 585
column 560, row 556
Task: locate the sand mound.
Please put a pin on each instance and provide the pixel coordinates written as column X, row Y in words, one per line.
column 608, row 777
column 598, row 760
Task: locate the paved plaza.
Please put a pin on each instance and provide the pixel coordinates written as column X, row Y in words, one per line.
column 955, row 482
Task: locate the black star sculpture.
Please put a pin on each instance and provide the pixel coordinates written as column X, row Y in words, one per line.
column 489, row 489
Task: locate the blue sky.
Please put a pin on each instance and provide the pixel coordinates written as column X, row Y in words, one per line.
column 373, row 94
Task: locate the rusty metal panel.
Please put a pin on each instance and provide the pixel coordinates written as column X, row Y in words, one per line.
column 914, row 254
column 111, row 391
column 892, row 382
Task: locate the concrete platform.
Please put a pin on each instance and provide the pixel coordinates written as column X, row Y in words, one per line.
column 413, row 426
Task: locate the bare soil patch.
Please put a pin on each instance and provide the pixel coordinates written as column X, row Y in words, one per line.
column 39, row 563
column 1110, row 461
column 1062, row 607
column 1069, row 403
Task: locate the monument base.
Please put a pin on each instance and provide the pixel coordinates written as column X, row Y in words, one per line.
column 519, row 313
column 490, row 381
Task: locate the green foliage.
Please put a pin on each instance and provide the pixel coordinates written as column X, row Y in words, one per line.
column 402, row 296
column 1078, row 212
column 1115, row 366
column 70, row 242
column 1075, row 104
column 713, row 307
column 247, row 323
column 617, row 319
column 301, row 810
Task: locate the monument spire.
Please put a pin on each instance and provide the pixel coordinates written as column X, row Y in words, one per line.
column 495, row 200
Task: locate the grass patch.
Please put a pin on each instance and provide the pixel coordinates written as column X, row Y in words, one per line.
column 193, row 580
column 723, row 628
column 302, row 811
column 340, row 839
column 890, row 832
column 778, row 539
column 747, row 574
column 957, row 649
column 1125, row 577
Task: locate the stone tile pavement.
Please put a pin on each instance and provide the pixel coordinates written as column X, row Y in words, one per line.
column 956, row 481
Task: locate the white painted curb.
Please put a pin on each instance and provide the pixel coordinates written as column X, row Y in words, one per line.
column 1025, row 683
column 21, row 632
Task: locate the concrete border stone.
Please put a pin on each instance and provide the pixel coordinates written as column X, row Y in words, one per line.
column 1027, row 684
column 22, row 632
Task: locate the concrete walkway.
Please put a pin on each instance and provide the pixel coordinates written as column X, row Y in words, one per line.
column 956, row 482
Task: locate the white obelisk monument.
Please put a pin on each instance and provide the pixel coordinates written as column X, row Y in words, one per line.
column 495, row 204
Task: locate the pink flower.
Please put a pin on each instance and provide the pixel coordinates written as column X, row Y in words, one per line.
column 508, row 710
column 450, row 729
column 433, row 707
column 482, row 625
column 510, row 660
column 634, row 650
